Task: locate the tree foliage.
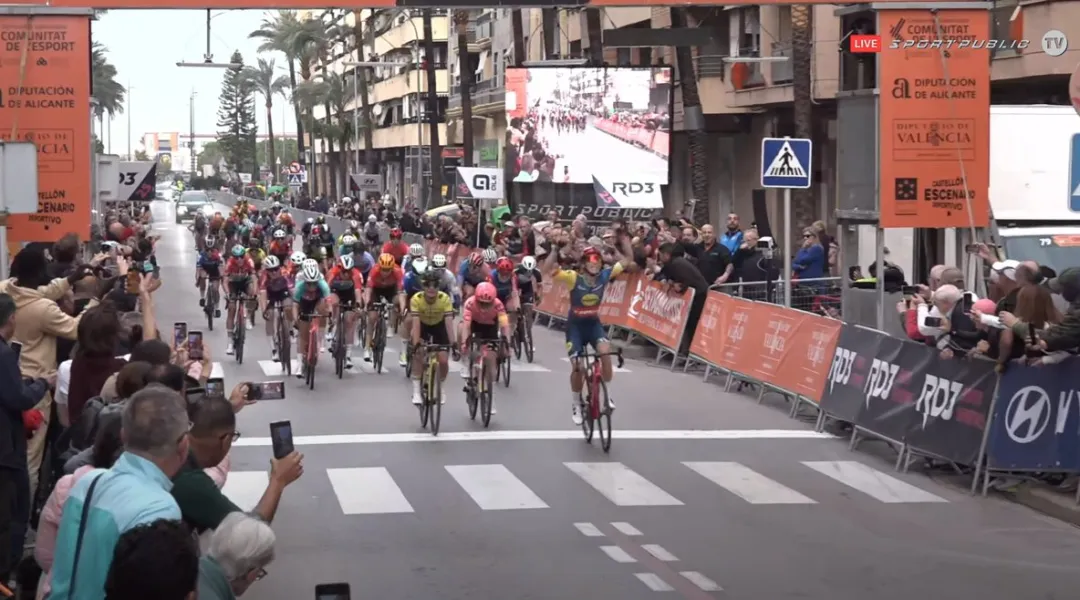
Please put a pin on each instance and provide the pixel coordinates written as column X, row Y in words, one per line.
column 237, row 126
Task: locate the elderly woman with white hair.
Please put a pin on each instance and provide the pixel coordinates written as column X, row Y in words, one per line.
column 239, row 551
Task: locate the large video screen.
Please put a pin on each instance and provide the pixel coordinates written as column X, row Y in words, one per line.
column 574, row 124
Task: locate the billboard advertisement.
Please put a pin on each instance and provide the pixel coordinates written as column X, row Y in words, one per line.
column 577, row 124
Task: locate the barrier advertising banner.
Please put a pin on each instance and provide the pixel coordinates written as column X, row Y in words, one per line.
column 903, row 391
column 1036, row 424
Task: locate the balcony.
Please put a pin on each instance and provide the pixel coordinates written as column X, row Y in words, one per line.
column 782, row 72
column 488, row 98
column 485, row 30
column 1033, row 20
column 405, row 135
column 406, row 84
column 409, row 32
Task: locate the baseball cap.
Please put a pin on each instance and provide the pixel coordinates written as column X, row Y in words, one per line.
column 1068, row 278
column 1005, row 268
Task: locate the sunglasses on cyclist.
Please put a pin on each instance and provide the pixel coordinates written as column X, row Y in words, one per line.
column 430, row 285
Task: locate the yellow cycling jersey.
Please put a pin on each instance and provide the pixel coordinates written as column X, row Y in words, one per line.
column 433, row 313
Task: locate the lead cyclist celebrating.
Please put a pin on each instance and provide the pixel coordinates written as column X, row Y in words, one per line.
column 583, row 326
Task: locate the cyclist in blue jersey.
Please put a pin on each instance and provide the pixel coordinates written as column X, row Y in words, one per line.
column 472, row 273
column 416, row 251
column 447, row 282
column 583, row 326
column 413, row 285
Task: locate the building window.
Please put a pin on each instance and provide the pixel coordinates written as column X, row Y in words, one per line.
column 644, row 56
column 622, row 57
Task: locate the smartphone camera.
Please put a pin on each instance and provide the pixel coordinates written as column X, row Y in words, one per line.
column 215, row 388
column 333, row 591
column 267, row 390
column 194, row 344
column 281, row 438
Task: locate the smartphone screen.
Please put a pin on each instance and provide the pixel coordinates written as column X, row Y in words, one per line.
column 132, row 283
column 333, row 591
column 281, row 438
column 971, row 248
column 17, row 347
column 933, row 321
column 909, row 290
column 267, row 390
column 179, row 334
column 215, row 388
column 194, row 342
column 969, row 301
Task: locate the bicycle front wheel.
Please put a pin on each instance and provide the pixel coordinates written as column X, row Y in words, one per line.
column 435, row 400
column 504, row 364
column 379, row 346
column 603, row 419
column 425, row 396
column 527, row 342
column 486, row 397
column 241, row 329
column 284, row 342
column 584, row 408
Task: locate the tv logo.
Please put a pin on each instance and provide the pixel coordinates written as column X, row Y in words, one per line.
column 632, row 188
column 864, row 44
column 488, row 183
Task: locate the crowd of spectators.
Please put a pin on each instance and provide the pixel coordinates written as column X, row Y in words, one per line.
column 116, row 456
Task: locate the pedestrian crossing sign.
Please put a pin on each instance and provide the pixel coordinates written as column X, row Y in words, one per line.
column 786, row 163
column 294, row 179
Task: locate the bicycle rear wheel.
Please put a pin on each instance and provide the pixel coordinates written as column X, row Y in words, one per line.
column 435, row 399
column 527, row 342
column 425, row 394
column 486, row 397
column 379, row 345
column 339, row 346
column 603, row 418
column 241, row 329
column 584, row 409
column 211, row 304
column 504, row 366
column 284, row 342
column 312, row 355
column 515, row 341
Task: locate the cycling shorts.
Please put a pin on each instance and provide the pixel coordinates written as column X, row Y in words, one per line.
column 386, row 294
column 583, row 332
column 239, row 284
column 434, row 334
column 484, row 331
column 212, row 271
column 307, row 308
column 346, row 294
column 527, row 296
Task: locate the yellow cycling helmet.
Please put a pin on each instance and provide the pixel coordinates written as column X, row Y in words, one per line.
column 386, row 262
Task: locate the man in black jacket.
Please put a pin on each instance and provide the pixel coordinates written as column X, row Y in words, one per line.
column 16, row 396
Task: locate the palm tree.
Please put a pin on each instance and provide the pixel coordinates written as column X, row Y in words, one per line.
column 314, row 41
column 333, row 91
column 267, row 83
column 461, row 24
column 432, row 114
column 803, row 211
column 278, row 34
column 364, row 33
column 518, row 30
column 696, row 137
column 110, row 95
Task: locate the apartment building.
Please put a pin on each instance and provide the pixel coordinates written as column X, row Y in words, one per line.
column 397, row 94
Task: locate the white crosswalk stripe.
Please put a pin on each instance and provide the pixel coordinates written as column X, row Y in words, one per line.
column 272, row 368
column 373, row 490
column 217, row 371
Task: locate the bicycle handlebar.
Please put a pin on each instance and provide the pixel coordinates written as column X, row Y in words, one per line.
column 617, row 353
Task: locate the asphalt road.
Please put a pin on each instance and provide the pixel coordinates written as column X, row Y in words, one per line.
column 704, row 495
column 594, row 152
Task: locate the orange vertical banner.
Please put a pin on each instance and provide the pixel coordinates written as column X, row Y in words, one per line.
column 45, row 61
column 934, row 118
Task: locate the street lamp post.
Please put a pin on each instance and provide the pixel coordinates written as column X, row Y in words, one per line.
column 130, row 156
column 191, row 131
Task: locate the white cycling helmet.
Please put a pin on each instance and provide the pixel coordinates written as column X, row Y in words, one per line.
column 416, row 251
column 279, row 234
column 271, row 262
column 490, row 256
column 310, row 220
column 346, row 200
column 347, row 240
column 346, row 261
column 354, row 224
column 298, row 257
column 438, row 261
column 310, row 271
column 372, row 219
column 420, row 265
column 529, row 263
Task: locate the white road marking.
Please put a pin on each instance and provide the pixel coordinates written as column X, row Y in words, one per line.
column 872, row 482
column 518, row 435
column 272, row 368
column 589, row 530
column 703, row 582
column 654, row 582
column 659, row 552
column 367, row 491
column 245, row 488
column 217, row 371
column 618, row 555
column 626, row 529
column 614, row 368
column 747, row 483
column 621, row 485
column 494, row 487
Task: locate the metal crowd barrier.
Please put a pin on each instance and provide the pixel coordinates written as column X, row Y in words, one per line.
column 821, row 296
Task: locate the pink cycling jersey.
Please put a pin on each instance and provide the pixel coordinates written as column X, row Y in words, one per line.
column 473, row 311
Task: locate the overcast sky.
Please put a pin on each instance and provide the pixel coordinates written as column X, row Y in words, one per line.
column 145, row 46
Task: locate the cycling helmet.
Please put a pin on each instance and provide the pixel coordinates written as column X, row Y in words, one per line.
column 271, row 262
column 485, row 293
column 346, row 261
column 211, row 241
column 591, row 254
column 347, row 240
column 420, row 265
column 490, row 256
column 279, row 234
column 298, row 257
column 476, row 260
column 416, row 251
column 310, row 220
column 354, row 224
column 438, row 261
column 238, row 251
column 321, row 219
column 429, row 277
column 504, row 265
column 395, row 234
column 372, row 219
column 529, row 263
column 386, row 261
column 346, row 199
column 310, row 271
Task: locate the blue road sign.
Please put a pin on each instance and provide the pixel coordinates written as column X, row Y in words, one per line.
column 785, row 162
column 294, row 179
column 1074, row 173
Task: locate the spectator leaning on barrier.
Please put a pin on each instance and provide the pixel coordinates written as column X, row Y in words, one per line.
column 133, row 492
column 1066, row 335
column 158, row 560
column 957, row 332
column 684, row 275
column 240, row 549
